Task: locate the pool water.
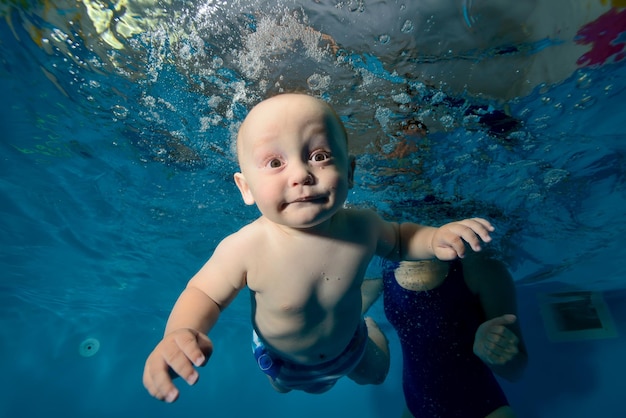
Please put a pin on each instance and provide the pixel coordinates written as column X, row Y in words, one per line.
column 116, row 180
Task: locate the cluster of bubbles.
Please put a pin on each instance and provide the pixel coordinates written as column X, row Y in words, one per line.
column 234, row 53
column 179, row 77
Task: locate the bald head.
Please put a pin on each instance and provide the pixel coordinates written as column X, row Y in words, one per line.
column 271, row 115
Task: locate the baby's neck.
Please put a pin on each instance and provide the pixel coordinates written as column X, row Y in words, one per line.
column 322, row 229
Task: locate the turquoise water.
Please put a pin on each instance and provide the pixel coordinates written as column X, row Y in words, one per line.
column 116, row 182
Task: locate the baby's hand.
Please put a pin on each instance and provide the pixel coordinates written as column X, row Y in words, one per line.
column 448, row 242
column 494, row 343
column 177, row 353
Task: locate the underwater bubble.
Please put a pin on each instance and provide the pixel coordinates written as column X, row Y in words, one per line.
column 447, row 121
column 207, row 122
column 438, row 98
column 382, row 116
column 120, row 112
column 384, row 39
column 217, row 62
column 407, row 26
column 318, row 82
column 584, row 81
column 401, row 98
column 546, row 100
column 471, row 120
column 554, row 176
column 356, row 6
column 184, row 52
column 389, row 147
column 585, row 103
column 543, row 88
column 89, row 347
column 519, row 135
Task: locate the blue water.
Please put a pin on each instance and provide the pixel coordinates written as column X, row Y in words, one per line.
column 116, row 185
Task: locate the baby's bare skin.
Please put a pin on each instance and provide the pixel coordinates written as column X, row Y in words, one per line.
column 304, row 259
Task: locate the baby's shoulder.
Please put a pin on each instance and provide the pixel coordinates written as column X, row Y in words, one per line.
column 249, row 234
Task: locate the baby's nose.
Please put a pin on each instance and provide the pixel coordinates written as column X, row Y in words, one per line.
column 301, row 175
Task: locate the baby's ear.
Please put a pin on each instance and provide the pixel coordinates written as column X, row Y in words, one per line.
column 352, row 165
column 244, row 189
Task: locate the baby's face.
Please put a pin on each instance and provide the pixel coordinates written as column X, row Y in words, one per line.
column 294, row 161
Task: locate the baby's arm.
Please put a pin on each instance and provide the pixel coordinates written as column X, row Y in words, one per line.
column 447, row 242
column 185, row 343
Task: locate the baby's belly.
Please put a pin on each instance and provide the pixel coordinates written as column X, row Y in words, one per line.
column 308, row 345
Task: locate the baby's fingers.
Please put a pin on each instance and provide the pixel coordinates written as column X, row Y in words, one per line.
column 175, row 355
column 476, row 228
column 479, row 225
column 157, row 380
column 194, row 345
column 185, row 350
column 181, row 365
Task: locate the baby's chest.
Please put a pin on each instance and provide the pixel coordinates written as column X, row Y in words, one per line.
column 298, row 275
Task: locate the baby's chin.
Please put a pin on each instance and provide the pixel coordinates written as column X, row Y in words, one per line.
column 311, row 223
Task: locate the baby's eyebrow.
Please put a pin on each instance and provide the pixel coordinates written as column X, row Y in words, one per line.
column 320, row 144
column 263, row 139
column 319, row 129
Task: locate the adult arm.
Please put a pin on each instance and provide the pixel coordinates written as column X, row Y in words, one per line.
column 498, row 341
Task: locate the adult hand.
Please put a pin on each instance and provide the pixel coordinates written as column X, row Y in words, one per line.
column 176, row 354
column 494, row 343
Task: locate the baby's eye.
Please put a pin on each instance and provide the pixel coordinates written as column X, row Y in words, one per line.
column 274, row 163
column 319, row 156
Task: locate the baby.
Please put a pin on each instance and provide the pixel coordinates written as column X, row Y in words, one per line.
column 303, row 259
